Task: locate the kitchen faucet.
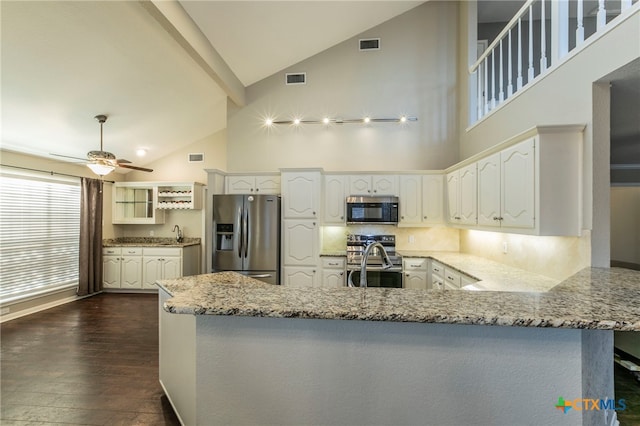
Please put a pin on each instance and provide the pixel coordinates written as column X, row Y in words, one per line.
column 386, row 263
column 179, row 234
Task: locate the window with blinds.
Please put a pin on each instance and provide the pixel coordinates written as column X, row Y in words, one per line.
column 39, row 235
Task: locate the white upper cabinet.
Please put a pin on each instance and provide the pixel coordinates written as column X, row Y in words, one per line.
column 373, row 185
column 529, row 185
column 506, row 183
column 334, row 199
column 301, row 195
column 253, row 184
column 432, row 199
column 410, row 199
column 461, row 195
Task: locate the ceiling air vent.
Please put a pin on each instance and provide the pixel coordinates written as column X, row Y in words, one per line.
column 296, row 78
column 369, row 44
column 196, row 157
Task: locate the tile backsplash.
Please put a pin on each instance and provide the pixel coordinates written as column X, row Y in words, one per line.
column 334, row 238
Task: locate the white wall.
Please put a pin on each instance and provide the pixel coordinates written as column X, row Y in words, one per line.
column 414, row 73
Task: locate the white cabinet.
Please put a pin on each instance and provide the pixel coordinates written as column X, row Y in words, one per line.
column 300, row 227
column 436, row 276
column 421, row 199
column 122, row 267
column 333, row 272
column 179, row 195
column 300, row 242
column 135, row 203
column 416, row 273
column 373, row 185
column 506, row 187
column 301, row 195
column 461, row 196
column 300, row 276
column 253, row 184
column 334, row 199
column 160, row 264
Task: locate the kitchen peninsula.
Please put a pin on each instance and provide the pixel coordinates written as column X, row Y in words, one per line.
column 237, row 351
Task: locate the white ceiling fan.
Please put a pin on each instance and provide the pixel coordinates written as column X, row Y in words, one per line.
column 103, row 162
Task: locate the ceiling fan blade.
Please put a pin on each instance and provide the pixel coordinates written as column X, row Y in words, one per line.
column 122, row 160
column 68, row 156
column 142, row 169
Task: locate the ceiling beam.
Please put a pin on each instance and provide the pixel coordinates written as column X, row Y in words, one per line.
column 177, row 22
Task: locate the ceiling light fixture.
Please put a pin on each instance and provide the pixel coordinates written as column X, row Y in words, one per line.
column 101, row 168
column 141, row 152
column 326, row 120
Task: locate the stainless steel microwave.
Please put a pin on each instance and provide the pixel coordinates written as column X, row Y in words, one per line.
column 372, row 210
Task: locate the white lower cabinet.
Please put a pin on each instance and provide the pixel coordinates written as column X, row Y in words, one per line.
column 122, row 267
column 138, row 268
column 304, row 276
column 436, row 275
column 416, row 273
column 160, row 264
column 333, row 272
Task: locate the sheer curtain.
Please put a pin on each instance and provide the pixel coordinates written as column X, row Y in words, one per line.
column 90, row 273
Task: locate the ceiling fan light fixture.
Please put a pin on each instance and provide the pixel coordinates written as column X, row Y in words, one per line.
column 101, row 169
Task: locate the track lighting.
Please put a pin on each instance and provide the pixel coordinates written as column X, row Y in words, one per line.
column 326, row 121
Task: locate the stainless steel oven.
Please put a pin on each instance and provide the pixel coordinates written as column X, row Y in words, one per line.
column 376, row 275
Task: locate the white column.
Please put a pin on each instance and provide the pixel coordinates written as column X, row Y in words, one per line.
column 543, row 38
column 624, row 5
column 493, row 78
column 559, row 30
column 580, row 28
column 479, row 97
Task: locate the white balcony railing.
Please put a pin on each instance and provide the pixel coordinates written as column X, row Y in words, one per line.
column 539, row 36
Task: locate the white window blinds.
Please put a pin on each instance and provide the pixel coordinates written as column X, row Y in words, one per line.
column 39, row 234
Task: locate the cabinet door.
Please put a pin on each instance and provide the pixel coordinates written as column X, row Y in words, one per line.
column 111, row 268
column 415, row 280
column 240, row 184
column 299, row 277
column 411, row 199
column 171, row 267
column 384, row 185
column 301, row 195
column 467, row 198
column 332, row 278
column 151, row 271
column 268, row 185
column 334, row 199
column 489, row 191
column 432, row 199
column 360, row 185
column 300, row 242
column 453, row 194
column 131, row 272
column 518, row 185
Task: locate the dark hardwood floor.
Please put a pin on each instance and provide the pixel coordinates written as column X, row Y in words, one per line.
column 89, row 362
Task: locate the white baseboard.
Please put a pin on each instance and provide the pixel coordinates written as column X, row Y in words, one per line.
column 23, row 312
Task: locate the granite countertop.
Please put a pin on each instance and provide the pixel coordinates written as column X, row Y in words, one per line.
column 149, row 242
column 594, row 298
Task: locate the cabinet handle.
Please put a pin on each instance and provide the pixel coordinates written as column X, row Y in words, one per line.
column 406, row 275
column 341, row 217
column 436, row 269
column 251, row 189
column 495, row 218
column 415, row 266
column 424, row 217
column 257, row 189
column 341, row 273
column 375, row 190
column 314, row 224
column 457, row 218
column 401, row 217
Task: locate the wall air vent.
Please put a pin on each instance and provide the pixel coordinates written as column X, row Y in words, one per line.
column 196, row 157
column 296, row 78
column 369, row 44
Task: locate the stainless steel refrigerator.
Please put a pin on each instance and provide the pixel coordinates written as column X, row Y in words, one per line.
column 247, row 235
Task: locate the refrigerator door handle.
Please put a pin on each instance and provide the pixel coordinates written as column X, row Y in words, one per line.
column 246, row 232
column 241, row 239
column 260, row 276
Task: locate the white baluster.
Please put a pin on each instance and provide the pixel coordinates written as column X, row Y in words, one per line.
column 493, row 79
column 580, row 29
column 501, row 95
column 479, row 101
column 543, row 38
column 530, row 45
column 509, row 69
column 486, row 85
column 601, row 17
column 624, row 5
column 519, row 77
column 559, row 19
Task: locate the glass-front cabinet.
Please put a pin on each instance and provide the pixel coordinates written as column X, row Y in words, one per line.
column 133, row 203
